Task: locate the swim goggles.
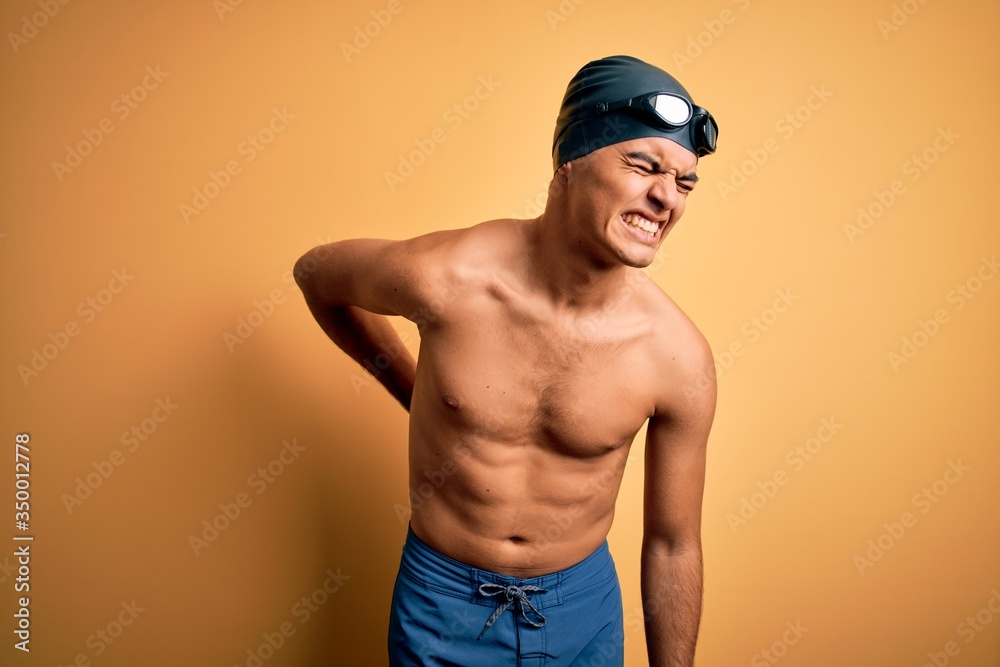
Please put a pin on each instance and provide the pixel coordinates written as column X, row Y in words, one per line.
column 672, row 111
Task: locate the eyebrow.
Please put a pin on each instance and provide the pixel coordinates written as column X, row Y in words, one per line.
column 655, row 164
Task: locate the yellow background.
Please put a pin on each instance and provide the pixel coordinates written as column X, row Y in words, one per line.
column 228, row 67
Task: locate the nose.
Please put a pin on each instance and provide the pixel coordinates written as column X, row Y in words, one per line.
column 663, row 193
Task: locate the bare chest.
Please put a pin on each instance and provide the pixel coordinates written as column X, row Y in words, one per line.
column 579, row 393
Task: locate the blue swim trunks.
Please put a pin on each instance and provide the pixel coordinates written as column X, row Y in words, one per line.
column 446, row 613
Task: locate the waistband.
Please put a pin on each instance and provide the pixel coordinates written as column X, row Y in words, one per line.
column 432, row 569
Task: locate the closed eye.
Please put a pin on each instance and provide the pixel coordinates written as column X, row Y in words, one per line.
column 685, row 182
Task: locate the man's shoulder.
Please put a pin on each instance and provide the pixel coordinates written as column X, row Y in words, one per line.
column 490, row 237
column 466, row 245
column 451, row 262
column 678, row 348
column 672, row 325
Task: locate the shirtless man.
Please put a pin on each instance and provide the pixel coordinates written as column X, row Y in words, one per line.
column 543, row 350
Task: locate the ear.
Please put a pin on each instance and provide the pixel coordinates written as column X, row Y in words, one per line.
column 559, row 183
column 562, row 173
column 566, row 173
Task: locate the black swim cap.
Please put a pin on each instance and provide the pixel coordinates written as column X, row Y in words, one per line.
column 609, row 80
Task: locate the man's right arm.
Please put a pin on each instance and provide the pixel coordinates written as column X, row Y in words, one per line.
column 351, row 286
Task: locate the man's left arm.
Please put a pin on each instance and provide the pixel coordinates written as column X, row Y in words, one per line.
column 676, row 440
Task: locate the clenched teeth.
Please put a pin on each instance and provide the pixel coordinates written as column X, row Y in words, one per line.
column 640, row 222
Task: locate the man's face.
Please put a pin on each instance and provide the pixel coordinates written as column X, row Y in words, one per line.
column 630, row 195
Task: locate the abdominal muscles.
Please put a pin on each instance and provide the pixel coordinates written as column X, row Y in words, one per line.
column 520, row 480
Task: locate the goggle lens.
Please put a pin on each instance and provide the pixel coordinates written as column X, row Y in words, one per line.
column 671, row 108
